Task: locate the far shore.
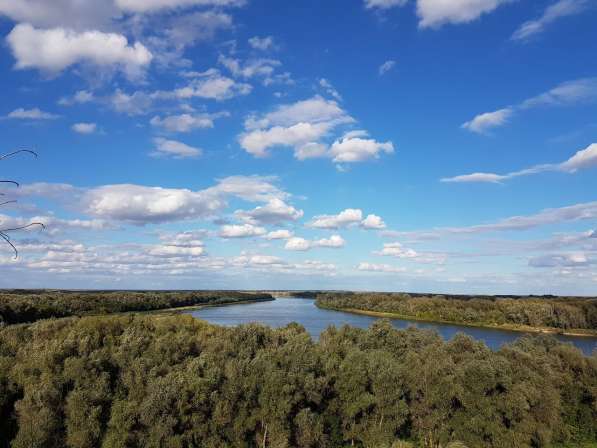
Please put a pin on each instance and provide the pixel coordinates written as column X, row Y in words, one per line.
column 506, row 327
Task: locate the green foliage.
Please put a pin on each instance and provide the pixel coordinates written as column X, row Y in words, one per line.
column 173, row 381
column 28, row 306
column 547, row 312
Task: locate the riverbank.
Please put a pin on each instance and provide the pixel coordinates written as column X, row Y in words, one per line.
column 182, row 309
column 505, row 327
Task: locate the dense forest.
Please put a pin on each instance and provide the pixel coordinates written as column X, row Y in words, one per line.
column 173, row 381
column 19, row 306
column 543, row 312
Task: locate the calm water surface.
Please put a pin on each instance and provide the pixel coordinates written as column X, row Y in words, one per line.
column 281, row 312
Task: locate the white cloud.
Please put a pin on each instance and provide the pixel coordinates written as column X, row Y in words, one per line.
column 373, row 222
column 250, row 68
column 211, row 85
column 257, row 142
column 475, row 177
column 176, row 149
column 329, row 88
column 350, row 149
column 84, row 128
column 241, row 231
column 302, row 244
column 334, row 241
column 310, row 150
column 53, row 50
column 345, row 218
column 176, row 251
column 31, row 114
column 80, row 97
column 281, row 234
column 568, row 93
column 139, row 205
column 297, row 243
column 397, row 250
column 373, row 267
column 384, row 4
column 386, row 67
column 261, row 43
column 145, row 6
column 275, row 211
column 485, row 121
column 559, row 260
column 555, row 11
column 76, row 14
column 585, row 158
column 186, row 122
column 435, row 13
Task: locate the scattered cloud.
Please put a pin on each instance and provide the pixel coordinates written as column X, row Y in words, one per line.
column 485, row 121
column 186, row 122
column 175, row 149
column 80, row 97
column 53, row 50
column 241, row 231
column 349, row 217
column 580, row 91
column 355, row 147
column 373, row 267
column 329, row 89
column 373, row 222
column 554, row 12
column 281, row 234
column 275, row 211
column 302, row 244
column 146, row 6
column 31, row 114
column 84, row 128
column 559, row 260
column 261, row 43
column 435, row 13
column 397, row 250
column 585, row 158
column 386, row 67
column 384, row 4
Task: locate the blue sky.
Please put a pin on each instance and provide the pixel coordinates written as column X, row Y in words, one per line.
column 416, row 145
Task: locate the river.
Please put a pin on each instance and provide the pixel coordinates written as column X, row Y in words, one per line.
column 280, row 312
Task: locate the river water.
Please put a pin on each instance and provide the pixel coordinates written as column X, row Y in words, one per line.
column 280, row 312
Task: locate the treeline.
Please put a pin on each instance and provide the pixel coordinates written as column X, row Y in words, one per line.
column 29, row 306
column 558, row 313
column 174, row 381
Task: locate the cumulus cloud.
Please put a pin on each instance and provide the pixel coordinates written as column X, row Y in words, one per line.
column 397, row 250
column 583, row 159
column 31, row 114
column 356, row 148
column 579, row 91
column 435, row 13
column 139, row 205
column 554, row 12
column 302, row 244
column 175, row 149
column 299, row 125
column 251, row 68
column 186, row 122
column 485, row 121
column 345, row 218
column 261, row 43
column 386, row 67
column 84, row 128
column 275, row 211
column 209, row 85
column 373, row 222
column 241, row 231
column 53, row 50
column 281, row 234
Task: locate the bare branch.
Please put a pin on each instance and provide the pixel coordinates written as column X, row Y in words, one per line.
column 10, row 182
column 10, row 154
column 7, row 239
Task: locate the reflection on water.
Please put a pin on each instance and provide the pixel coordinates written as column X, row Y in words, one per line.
column 281, row 312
